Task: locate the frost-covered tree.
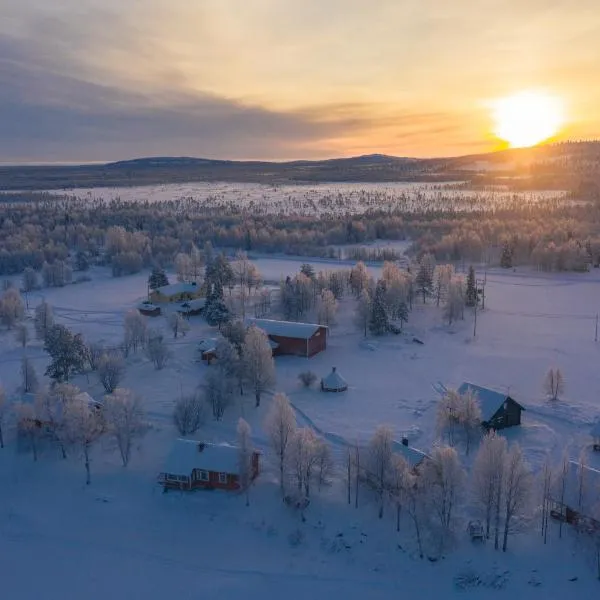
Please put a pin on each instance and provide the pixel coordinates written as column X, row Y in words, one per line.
column 12, row 308
column 362, row 315
column 135, row 330
column 470, row 418
column 359, row 278
column 28, row 425
column 517, row 487
column 44, row 319
column 218, row 392
column 30, row 280
column 378, row 319
column 67, row 353
column 183, row 267
column 95, row 350
column 111, row 368
column 157, row 350
column 471, row 297
column 157, row 279
column 424, row 277
column 280, row 425
column 327, row 307
column 399, row 480
column 303, row 458
column 84, row 426
column 22, row 334
column 178, row 324
column 28, row 376
column 324, row 462
column 455, row 302
column 245, row 451
column 506, row 259
column 189, row 414
column 447, row 416
column 259, row 366
column 459, row 414
column 554, row 384
column 235, row 332
column 124, row 419
column 379, row 464
column 443, row 274
column 246, row 276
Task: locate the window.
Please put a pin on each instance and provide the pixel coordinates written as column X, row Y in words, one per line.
column 222, row 477
column 203, row 475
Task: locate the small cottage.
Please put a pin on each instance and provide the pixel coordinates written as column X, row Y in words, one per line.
column 334, row 382
column 498, row 410
column 208, row 349
column 412, row 456
column 288, row 337
column 596, row 436
column 176, row 292
column 195, row 465
column 576, row 502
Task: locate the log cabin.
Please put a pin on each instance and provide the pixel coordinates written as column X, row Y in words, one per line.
column 498, row 410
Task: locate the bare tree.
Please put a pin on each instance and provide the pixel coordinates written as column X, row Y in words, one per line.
column 554, row 384
column 22, row 334
column 245, row 453
column 415, row 495
column 379, row 464
column 363, row 311
column 12, row 308
column 218, row 392
column 303, row 458
column 136, row 330
column 178, row 324
column 324, row 461
column 28, row 376
column 487, row 480
column 94, row 351
column 44, row 319
column 189, row 414
column 280, row 426
column 470, row 418
column 400, row 479
column 30, row 280
column 517, row 487
column 259, row 366
column 447, row 415
column 157, row 351
column 84, row 426
column 307, row 378
column 242, row 270
column 50, row 408
column 327, row 308
column 3, row 407
column 111, row 368
column 125, row 420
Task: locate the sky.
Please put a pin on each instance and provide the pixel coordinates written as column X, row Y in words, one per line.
column 91, row 80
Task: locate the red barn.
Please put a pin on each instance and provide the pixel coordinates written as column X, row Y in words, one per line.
column 195, row 465
column 298, row 339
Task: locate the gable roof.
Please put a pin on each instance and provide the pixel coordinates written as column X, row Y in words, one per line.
column 490, row 401
column 290, row 329
column 207, row 344
column 595, row 432
column 411, row 455
column 178, row 288
column 582, row 488
column 334, row 381
column 187, row 455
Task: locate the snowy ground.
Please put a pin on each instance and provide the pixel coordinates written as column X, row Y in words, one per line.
column 122, row 538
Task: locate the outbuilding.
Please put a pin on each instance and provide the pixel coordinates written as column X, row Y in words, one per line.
column 498, row 410
column 200, row 465
column 334, row 382
column 288, row 337
column 176, row 292
column 191, row 308
column 148, row 309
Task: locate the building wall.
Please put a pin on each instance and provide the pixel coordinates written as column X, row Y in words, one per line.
column 508, row 416
column 298, row 347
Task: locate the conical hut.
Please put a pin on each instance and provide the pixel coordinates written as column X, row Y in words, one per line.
column 334, row 382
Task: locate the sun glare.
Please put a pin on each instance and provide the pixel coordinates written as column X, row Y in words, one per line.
column 527, row 118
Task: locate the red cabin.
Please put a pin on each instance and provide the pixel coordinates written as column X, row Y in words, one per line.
column 297, row 339
column 199, row 465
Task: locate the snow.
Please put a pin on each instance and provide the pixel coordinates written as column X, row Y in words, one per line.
column 187, row 455
column 302, row 331
column 582, row 488
column 181, row 287
column 595, row 432
column 490, row 401
column 411, row 455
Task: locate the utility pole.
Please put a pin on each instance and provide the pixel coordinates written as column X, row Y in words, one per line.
column 596, row 336
column 475, row 321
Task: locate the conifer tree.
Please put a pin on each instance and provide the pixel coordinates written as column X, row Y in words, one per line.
column 379, row 322
column 471, row 294
column 157, row 279
column 506, row 258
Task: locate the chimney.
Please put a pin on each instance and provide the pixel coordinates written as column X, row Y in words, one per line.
column 405, row 441
column 333, row 369
column 201, row 446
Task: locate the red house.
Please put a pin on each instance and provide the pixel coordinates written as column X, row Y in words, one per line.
column 195, row 465
column 297, row 339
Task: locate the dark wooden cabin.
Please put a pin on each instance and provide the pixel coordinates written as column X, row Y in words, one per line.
column 498, row 410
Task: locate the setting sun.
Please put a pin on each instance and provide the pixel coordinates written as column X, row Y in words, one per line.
column 527, row 118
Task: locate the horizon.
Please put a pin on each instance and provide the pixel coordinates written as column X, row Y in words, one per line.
column 92, row 82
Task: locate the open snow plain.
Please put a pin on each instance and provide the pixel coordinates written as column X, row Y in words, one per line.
column 121, row 538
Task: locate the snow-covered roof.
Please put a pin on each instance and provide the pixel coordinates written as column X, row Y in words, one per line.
column 582, row 488
column 147, row 305
column 596, row 429
column 187, row 455
column 207, row 344
column 196, row 304
column 274, row 345
column 334, row 381
column 87, row 399
column 290, row 329
column 178, row 288
column 411, row 455
column 490, row 401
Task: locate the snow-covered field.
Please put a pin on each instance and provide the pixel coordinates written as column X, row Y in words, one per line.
column 121, row 538
column 315, row 199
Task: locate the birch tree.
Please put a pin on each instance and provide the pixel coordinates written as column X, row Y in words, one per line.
column 29, row 378
column 43, row 320
column 303, row 458
column 517, row 487
column 554, row 384
column 125, row 420
column 455, row 300
column 189, row 414
column 178, row 324
column 50, row 408
column 259, row 366
column 136, row 330
column 380, row 462
column 363, row 312
column 280, row 426
column 469, row 418
column 327, row 308
column 400, row 479
column 245, row 452
column 111, row 368
column 218, row 392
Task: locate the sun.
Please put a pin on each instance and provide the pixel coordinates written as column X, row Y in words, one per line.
column 527, row 118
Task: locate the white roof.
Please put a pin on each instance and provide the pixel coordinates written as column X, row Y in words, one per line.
column 207, row 344
column 145, row 304
column 195, row 304
column 596, row 430
column 334, row 381
column 411, row 455
column 178, row 288
column 582, row 488
column 87, row 399
column 187, row 455
column 290, row 329
column 490, row 401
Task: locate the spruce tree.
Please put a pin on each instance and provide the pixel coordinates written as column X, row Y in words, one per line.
column 67, row 352
column 506, row 258
column 378, row 322
column 471, row 294
column 157, row 279
column 424, row 279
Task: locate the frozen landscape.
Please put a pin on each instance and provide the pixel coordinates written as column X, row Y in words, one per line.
column 122, row 538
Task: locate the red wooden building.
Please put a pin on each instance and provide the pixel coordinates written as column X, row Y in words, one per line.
column 298, row 339
column 199, row 465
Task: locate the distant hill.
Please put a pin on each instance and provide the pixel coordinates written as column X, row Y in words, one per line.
column 550, row 166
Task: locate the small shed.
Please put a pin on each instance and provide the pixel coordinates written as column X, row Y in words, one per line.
column 595, row 432
column 148, row 309
column 208, row 349
column 412, row 456
column 297, row 339
column 193, row 465
column 498, row 410
column 334, row 382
